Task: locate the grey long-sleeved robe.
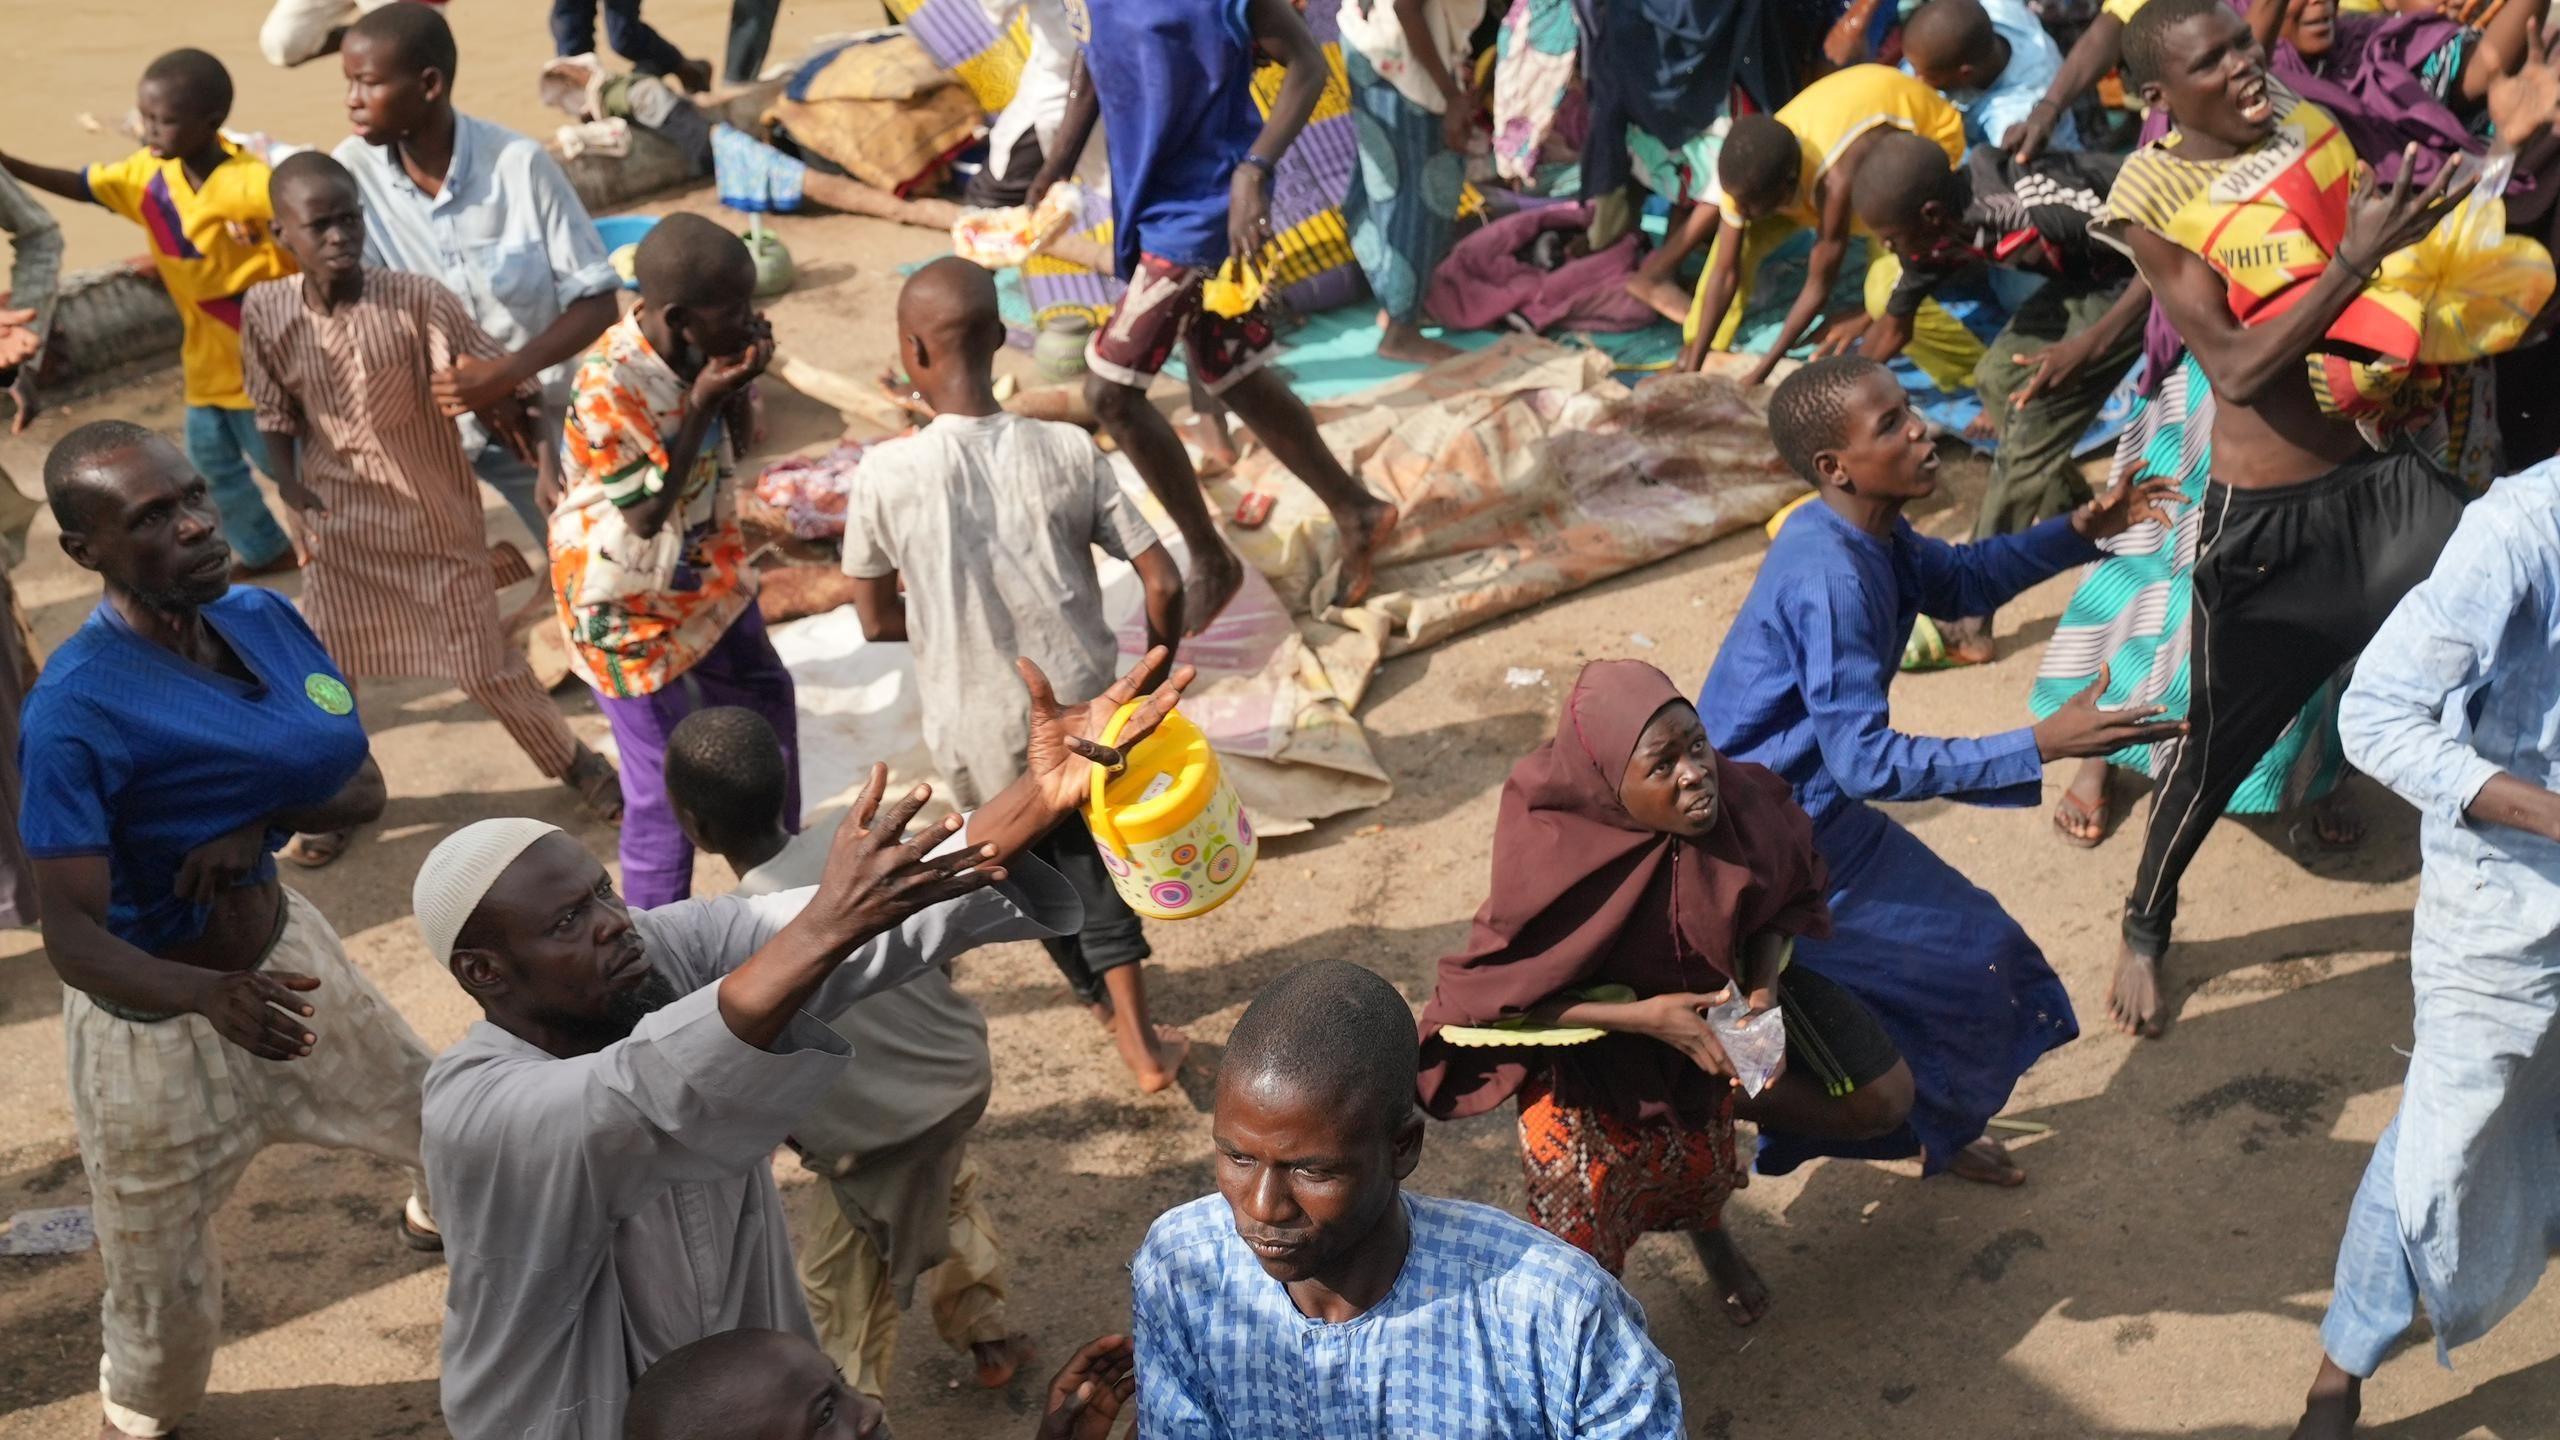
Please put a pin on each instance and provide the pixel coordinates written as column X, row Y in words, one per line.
column 603, row 1210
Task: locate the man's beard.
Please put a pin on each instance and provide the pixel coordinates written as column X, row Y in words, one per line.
column 625, row 1009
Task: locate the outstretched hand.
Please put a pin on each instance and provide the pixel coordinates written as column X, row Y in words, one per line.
column 2082, row 729
column 1089, row 1392
column 2522, row 105
column 2125, row 504
column 877, row 876
column 2384, row 219
column 1063, row 752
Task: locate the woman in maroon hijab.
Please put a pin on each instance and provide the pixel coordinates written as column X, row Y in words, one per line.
column 1629, row 853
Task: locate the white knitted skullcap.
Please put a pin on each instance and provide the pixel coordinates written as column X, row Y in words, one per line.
column 459, row 872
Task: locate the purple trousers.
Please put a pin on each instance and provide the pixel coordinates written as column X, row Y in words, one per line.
column 742, row 670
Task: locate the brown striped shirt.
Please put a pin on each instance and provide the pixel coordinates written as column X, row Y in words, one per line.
column 399, row 580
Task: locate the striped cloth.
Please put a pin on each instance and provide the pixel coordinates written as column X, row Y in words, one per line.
column 2130, row 613
column 399, row 580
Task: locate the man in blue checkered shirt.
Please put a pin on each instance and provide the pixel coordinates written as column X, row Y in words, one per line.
column 1312, row 1298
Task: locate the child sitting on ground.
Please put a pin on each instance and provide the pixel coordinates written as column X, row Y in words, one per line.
column 647, row 561
column 203, row 202
column 340, row 363
column 1777, row 174
column 973, row 540
column 1799, row 687
column 890, row 1140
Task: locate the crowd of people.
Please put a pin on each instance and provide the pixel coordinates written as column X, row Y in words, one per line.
column 2331, row 538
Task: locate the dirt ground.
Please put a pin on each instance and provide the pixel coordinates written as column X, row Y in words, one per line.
column 2164, row 1273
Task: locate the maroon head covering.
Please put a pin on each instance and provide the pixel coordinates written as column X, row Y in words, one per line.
column 1585, row 895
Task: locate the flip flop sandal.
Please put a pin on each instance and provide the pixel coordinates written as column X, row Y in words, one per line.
column 2103, row 814
column 417, row 1237
column 313, row 850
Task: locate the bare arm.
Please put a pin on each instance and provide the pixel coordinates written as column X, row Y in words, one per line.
column 1724, row 276
column 881, row 606
column 1283, row 35
column 1821, row 272
column 2092, row 56
column 1163, row 582
column 1886, row 337
column 2506, row 43
column 2266, row 21
column 2517, row 803
column 254, row 1009
column 67, row 184
column 1074, row 129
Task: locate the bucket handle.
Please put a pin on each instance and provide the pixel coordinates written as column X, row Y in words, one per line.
column 1097, row 814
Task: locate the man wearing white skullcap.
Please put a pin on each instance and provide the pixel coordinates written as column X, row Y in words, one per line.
column 598, row 1145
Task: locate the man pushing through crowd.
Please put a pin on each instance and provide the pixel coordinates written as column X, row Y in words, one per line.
column 601, row 1137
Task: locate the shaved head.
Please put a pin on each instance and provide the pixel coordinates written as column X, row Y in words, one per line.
column 1944, row 36
column 308, row 172
column 1901, row 173
column 747, row 1385
column 416, row 36
column 1329, row 1031
column 80, row 470
column 198, row 77
column 692, row 261
column 949, row 331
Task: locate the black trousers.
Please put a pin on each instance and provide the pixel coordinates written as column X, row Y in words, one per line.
column 1113, row 935
column 2289, row 585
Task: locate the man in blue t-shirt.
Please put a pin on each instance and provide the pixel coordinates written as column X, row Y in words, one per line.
column 173, row 744
column 1191, row 167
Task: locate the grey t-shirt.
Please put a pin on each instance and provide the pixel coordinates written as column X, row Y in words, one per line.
column 992, row 520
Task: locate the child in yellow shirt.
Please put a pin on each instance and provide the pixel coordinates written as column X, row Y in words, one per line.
column 203, row 202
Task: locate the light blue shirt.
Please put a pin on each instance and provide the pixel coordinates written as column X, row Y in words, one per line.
column 2033, row 62
column 1494, row 1330
column 2463, row 681
column 506, row 232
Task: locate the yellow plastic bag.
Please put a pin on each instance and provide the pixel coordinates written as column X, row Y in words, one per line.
column 1232, row 291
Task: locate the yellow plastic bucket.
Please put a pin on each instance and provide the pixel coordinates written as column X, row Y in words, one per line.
column 1171, row 831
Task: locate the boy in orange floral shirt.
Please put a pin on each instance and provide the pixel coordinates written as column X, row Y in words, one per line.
column 647, row 562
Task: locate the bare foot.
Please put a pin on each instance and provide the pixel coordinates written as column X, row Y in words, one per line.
column 2081, row 814
column 2133, row 1000
column 1987, row 1162
column 999, row 1359
column 1216, row 576
column 1156, row 1065
column 2329, row 1412
column 1746, row 1295
column 1406, row 344
column 1662, row 293
column 1968, row 640
column 2335, row 823
column 1361, row 539
column 314, row 849
column 1208, row 434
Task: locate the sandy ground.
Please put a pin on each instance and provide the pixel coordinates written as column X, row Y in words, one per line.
column 2162, row 1275
column 93, row 52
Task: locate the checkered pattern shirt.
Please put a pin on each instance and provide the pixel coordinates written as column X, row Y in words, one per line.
column 1495, row 1330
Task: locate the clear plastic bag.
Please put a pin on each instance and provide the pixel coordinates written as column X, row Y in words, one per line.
column 1756, row 1044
